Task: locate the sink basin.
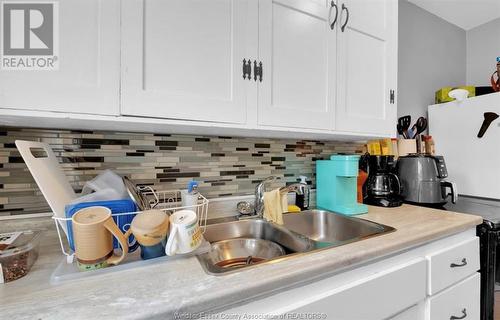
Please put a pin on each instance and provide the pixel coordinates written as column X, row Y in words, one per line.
column 325, row 226
column 301, row 233
column 253, row 229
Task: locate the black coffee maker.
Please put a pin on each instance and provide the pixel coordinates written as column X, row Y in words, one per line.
column 382, row 187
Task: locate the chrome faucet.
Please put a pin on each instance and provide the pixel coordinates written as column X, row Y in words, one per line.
column 259, row 196
column 260, row 188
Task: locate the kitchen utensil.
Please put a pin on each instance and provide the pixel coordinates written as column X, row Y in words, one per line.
column 116, row 207
column 423, row 180
column 336, row 184
column 150, row 230
column 241, row 252
column 400, row 130
column 459, row 94
column 93, row 230
column 49, row 177
column 405, row 123
column 489, row 117
column 406, row 146
column 382, row 187
column 140, row 200
column 410, row 133
column 185, row 233
column 419, row 127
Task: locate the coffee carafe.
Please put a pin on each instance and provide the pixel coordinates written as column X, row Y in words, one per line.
column 382, row 187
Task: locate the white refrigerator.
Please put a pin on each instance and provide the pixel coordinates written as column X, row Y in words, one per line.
column 473, row 163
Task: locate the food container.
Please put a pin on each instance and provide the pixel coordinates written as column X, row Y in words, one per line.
column 442, row 94
column 18, row 253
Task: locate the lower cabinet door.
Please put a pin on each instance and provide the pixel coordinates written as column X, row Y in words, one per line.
column 379, row 297
column 460, row 301
column 414, row 313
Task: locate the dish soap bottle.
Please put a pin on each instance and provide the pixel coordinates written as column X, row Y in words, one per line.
column 302, row 197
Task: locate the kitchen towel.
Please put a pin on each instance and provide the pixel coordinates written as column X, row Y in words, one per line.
column 274, row 205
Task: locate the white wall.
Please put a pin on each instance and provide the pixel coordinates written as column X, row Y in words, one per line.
column 483, row 47
column 432, row 55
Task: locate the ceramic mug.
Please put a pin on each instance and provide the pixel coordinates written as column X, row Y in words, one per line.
column 150, row 230
column 185, row 233
column 93, row 231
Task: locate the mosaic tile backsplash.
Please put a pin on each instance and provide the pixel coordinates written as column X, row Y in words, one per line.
column 224, row 166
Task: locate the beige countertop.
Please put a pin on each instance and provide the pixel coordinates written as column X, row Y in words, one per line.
column 160, row 290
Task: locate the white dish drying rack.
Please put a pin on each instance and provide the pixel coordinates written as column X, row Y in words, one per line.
column 168, row 201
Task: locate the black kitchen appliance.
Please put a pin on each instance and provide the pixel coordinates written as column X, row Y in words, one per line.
column 489, row 238
column 382, row 187
column 423, row 181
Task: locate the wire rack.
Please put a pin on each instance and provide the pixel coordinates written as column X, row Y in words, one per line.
column 168, row 201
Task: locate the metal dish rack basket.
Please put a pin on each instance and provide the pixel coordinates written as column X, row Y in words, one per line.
column 168, row 201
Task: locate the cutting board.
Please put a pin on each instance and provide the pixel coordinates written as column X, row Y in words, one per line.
column 49, row 177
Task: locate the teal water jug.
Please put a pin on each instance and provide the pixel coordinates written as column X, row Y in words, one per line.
column 336, row 185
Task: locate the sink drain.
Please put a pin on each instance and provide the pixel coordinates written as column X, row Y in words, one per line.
column 239, row 262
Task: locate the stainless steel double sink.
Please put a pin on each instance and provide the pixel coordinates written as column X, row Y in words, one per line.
column 301, row 233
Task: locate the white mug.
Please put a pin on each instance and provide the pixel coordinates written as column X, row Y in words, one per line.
column 185, row 233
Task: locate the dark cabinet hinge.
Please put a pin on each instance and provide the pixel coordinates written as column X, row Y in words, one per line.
column 257, row 70
column 247, row 69
column 391, row 96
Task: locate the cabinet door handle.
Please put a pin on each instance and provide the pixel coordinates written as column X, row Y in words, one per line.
column 333, row 5
column 347, row 17
column 463, row 264
column 247, row 69
column 464, row 315
column 257, row 70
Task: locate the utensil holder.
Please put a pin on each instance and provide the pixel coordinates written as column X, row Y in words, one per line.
column 406, row 147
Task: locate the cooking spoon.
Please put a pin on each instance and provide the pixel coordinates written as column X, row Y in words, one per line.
column 488, row 119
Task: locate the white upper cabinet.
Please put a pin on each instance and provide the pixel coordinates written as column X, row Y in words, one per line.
column 297, row 49
column 367, row 64
column 182, row 59
column 251, row 67
column 88, row 77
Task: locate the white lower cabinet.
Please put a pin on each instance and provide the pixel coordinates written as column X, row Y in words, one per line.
column 452, row 264
column 402, row 285
column 460, row 301
column 396, row 288
column 412, row 313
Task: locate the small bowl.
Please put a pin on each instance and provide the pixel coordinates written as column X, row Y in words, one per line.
column 242, row 252
column 459, row 94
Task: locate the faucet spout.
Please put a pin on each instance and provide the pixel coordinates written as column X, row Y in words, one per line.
column 259, row 195
column 260, row 189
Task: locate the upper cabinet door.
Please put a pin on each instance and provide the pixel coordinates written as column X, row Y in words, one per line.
column 297, row 49
column 84, row 36
column 367, row 63
column 182, row 59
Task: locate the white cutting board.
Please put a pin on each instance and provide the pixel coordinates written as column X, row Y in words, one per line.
column 473, row 163
column 49, row 177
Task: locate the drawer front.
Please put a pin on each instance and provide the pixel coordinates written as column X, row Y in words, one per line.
column 460, row 301
column 452, row 264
